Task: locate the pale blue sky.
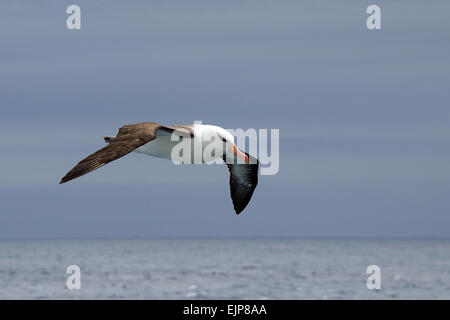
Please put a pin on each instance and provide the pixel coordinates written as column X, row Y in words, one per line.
column 363, row 116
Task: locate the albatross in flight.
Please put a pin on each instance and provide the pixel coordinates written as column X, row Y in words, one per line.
column 154, row 139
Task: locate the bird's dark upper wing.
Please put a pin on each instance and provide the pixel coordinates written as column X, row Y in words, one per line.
column 243, row 181
column 128, row 139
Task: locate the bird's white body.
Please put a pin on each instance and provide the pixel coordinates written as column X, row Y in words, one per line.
column 163, row 145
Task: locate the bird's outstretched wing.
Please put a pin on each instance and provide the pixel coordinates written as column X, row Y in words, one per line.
column 129, row 138
column 243, row 181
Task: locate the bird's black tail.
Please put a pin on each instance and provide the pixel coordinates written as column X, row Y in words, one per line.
column 108, row 139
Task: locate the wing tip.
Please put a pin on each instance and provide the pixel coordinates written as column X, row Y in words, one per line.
column 63, row 180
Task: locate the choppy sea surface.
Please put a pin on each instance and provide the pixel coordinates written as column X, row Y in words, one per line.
column 225, row 269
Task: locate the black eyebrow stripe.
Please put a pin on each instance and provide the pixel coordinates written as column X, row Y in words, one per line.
column 223, row 139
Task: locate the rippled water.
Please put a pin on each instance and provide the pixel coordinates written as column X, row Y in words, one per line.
column 225, row 269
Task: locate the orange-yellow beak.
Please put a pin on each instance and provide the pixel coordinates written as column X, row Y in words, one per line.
column 238, row 153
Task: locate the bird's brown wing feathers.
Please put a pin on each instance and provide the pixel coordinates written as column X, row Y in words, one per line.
column 128, row 139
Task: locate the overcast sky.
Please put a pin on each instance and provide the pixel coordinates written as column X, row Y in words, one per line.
column 364, row 116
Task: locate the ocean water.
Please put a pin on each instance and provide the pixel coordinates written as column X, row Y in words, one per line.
column 225, row 269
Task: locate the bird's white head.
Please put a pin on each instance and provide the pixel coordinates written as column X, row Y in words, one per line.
column 231, row 150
